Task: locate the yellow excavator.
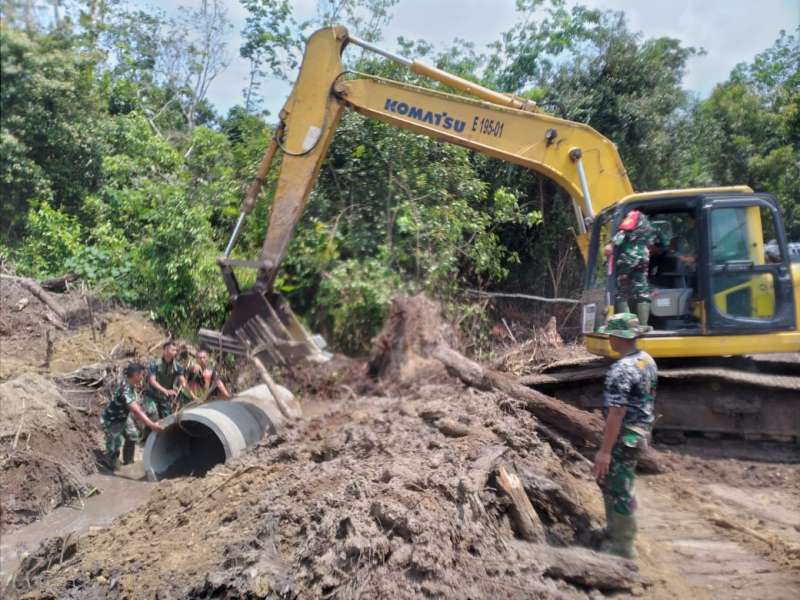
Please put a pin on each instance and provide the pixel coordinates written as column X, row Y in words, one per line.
column 741, row 296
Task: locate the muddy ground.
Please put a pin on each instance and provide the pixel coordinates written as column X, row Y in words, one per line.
column 55, row 375
column 390, row 489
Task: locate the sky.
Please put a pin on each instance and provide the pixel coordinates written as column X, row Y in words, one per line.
column 731, row 32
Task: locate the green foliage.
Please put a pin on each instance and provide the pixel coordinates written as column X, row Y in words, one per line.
column 106, row 272
column 49, row 118
column 52, row 238
column 113, row 165
column 357, row 295
column 177, row 276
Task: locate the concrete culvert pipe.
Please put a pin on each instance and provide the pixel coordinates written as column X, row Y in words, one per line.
column 197, row 439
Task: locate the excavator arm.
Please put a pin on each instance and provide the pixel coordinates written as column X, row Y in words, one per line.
column 499, row 125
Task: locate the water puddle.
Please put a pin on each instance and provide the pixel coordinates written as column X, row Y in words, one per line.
column 119, row 494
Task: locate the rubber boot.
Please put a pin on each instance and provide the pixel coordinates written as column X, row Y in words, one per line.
column 621, row 306
column 128, row 450
column 112, row 460
column 601, row 535
column 643, row 312
column 623, row 534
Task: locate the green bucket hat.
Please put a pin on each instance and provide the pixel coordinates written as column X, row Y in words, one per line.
column 624, row 325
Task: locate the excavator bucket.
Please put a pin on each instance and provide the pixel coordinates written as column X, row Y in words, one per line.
column 262, row 324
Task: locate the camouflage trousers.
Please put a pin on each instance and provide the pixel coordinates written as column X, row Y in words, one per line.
column 632, row 281
column 156, row 409
column 116, row 432
column 618, row 485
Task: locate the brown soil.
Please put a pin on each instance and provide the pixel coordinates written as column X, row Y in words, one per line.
column 726, row 522
column 49, row 428
column 46, row 455
column 389, row 489
column 25, row 333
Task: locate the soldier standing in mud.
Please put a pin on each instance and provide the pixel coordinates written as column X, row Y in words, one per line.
column 628, row 409
column 161, row 376
column 204, row 378
column 634, row 238
column 117, row 419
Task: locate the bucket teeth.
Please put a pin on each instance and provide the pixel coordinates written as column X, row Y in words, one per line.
column 264, row 326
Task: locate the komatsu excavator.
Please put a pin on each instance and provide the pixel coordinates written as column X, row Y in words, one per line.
column 742, row 296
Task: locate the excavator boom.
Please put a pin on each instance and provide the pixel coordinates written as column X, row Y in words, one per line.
column 736, row 302
column 500, row 125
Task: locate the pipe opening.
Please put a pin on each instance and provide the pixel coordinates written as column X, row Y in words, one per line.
column 186, row 449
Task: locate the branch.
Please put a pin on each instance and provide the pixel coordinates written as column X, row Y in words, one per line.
column 524, row 296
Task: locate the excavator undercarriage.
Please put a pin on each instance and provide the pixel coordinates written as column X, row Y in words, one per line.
column 746, row 397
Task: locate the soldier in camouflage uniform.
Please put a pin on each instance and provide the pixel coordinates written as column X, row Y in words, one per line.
column 628, row 408
column 633, row 238
column 117, row 419
column 160, row 394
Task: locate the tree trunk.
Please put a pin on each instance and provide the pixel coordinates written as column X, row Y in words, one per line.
column 35, row 289
column 59, row 284
column 552, row 411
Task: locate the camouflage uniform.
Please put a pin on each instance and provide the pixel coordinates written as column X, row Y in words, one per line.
column 157, row 405
column 631, row 383
column 118, row 423
column 634, row 238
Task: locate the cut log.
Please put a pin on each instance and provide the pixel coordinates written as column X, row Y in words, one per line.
column 273, row 388
column 59, row 284
column 550, row 496
column 590, row 569
column 528, row 524
column 35, row 289
column 563, row 416
column 480, row 469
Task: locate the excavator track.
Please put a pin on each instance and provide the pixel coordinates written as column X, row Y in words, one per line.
column 741, row 397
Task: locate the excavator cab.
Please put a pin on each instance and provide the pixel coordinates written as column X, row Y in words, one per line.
column 720, row 274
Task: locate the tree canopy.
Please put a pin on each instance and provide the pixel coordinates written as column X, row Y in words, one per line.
column 115, row 166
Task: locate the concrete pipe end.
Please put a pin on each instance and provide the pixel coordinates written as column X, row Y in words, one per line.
column 197, row 439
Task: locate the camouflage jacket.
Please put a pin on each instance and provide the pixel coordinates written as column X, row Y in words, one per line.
column 117, row 410
column 631, row 383
column 165, row 373
column 634, row 237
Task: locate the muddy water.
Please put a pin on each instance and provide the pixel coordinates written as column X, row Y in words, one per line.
column 119, row 494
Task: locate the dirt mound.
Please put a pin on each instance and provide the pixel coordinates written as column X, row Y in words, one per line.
column 388, row 497
column 401, row 353
column 46, row 453
column 36, row 340
column 119, row 334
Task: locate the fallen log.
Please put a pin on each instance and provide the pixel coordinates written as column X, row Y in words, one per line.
column 528, row 524
column 590, row 569
column 567, row 418
column 59, row 284
column 35, row 289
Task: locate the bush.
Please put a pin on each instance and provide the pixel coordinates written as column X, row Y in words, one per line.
column 52, row 238
column 355, row 296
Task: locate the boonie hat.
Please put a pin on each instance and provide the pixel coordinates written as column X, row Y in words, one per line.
column 624, row 325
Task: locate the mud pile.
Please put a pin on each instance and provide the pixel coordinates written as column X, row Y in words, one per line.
column 385, row 498
column 49, row 418
column 392, row 496
column 45, row 454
